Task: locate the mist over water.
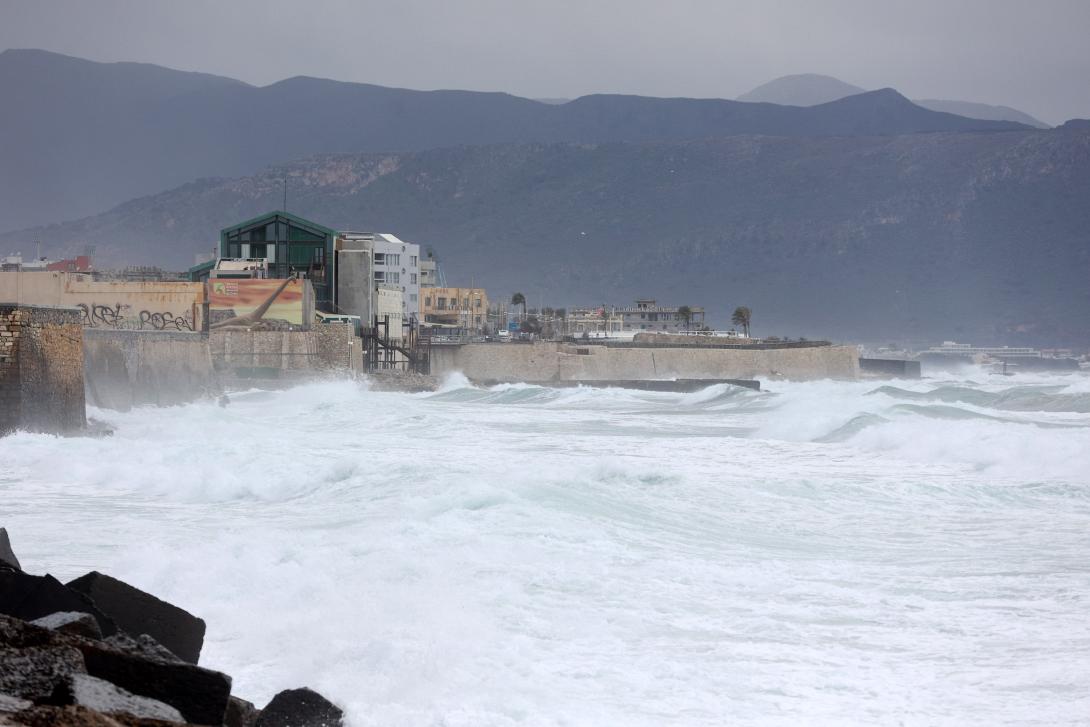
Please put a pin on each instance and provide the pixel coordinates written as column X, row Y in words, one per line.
column 820, row 553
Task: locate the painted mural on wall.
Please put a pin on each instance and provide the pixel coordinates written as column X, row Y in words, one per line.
column 256, row 303
column 122, row 316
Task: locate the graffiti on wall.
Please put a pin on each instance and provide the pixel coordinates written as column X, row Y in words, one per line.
column 121, row 316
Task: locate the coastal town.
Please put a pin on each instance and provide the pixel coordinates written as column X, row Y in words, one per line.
column 284, row 298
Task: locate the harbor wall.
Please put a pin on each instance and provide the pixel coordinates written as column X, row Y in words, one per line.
column 544, row 362
column 239, row 355
column 41, row 369
column 125, row 368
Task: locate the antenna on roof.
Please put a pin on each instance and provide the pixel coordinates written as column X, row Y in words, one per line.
column 285, row 207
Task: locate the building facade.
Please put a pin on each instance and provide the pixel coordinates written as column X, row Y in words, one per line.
column 430, row 274
column 288, row 245
column 395, row 264
column 466, row 308
column 647, row 315
column 346, row 268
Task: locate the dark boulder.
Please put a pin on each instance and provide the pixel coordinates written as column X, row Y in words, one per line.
column 29, row 597
column 199, row 694
column 91, row 692
column 300, row 708
column 35, row 671
column 137, row 612
column 71, row 622
column 240, row 713
column 49, row 716
column 7, row 556
column 142, row 645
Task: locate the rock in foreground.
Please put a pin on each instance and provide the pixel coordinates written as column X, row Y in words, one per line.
column 300, row 708
column 65, row 663
column 137, row 612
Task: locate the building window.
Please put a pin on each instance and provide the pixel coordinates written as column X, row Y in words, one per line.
column 465, row 303
column 412, row 297
column 427, row 300
column 412, row 261
column 442, row 303
column 393, row 259
column 380, row 258
column 393, row 277
column 478, row 304
column 412, row 278
column 380, row 276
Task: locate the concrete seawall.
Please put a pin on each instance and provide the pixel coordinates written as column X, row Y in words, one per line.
column 545, row 362
column 123, row 369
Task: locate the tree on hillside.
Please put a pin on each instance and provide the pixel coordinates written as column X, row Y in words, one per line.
column 519, row 299
column 741, row 317
column 686, row 314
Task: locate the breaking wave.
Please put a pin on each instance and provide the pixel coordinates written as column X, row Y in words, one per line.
column 822, row 552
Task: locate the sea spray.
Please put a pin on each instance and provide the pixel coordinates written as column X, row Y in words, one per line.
column 821, row 552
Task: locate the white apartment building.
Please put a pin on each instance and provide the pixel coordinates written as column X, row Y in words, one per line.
column 396, row 266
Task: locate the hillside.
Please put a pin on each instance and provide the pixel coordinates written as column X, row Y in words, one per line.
column 811, row 89
column 981, row 111
column 967, row 236
column 78, row 137
column 803, row 89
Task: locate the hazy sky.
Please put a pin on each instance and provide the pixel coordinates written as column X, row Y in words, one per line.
column 1030, row 54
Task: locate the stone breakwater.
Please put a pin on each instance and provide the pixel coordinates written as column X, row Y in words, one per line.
column 97, row 652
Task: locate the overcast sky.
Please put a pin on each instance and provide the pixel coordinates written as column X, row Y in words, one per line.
column 1030, row 54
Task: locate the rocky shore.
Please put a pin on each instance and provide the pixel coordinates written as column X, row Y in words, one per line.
column 97, row 652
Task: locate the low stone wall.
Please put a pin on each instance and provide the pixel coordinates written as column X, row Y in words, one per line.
column 545, row 362
column 124, row 369
column 41, row 369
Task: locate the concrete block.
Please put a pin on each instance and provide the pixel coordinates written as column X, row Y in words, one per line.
column 137, row 612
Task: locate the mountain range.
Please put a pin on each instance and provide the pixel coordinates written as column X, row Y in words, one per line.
column 953, row 235
column 810, row 89
column 868, row 217
column 79, row 136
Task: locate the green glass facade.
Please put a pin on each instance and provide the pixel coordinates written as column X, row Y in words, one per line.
column 288, row 244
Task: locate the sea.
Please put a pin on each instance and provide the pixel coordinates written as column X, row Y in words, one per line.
column 825, row 553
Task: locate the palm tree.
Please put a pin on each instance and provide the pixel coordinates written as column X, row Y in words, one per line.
column 519, row 299
column 686, row 314
column 741, row 317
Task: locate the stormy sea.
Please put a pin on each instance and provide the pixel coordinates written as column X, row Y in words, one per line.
column 813, row 553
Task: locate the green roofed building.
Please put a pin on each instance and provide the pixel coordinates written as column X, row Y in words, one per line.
column 288, row 244
column 345, row 268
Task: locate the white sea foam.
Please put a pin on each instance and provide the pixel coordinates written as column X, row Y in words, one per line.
column 820, row 553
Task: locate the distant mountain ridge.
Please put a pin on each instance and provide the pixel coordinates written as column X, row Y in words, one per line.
column 78, row 136
column 964, row 236
column 802, row 89
column 810, row 89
